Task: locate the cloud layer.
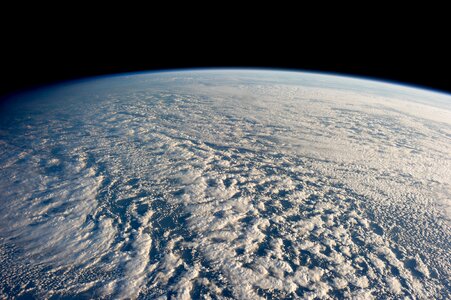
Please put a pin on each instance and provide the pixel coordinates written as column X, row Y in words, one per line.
column 226, row 184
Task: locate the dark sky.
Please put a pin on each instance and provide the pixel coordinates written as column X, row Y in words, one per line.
column 42, row 53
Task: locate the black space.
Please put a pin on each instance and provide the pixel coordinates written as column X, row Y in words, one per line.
column 41, row 53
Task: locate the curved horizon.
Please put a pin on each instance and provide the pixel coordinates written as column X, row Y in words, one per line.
column 382, row 80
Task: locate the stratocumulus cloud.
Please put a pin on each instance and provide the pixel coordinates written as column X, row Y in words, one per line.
column 226, row 184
